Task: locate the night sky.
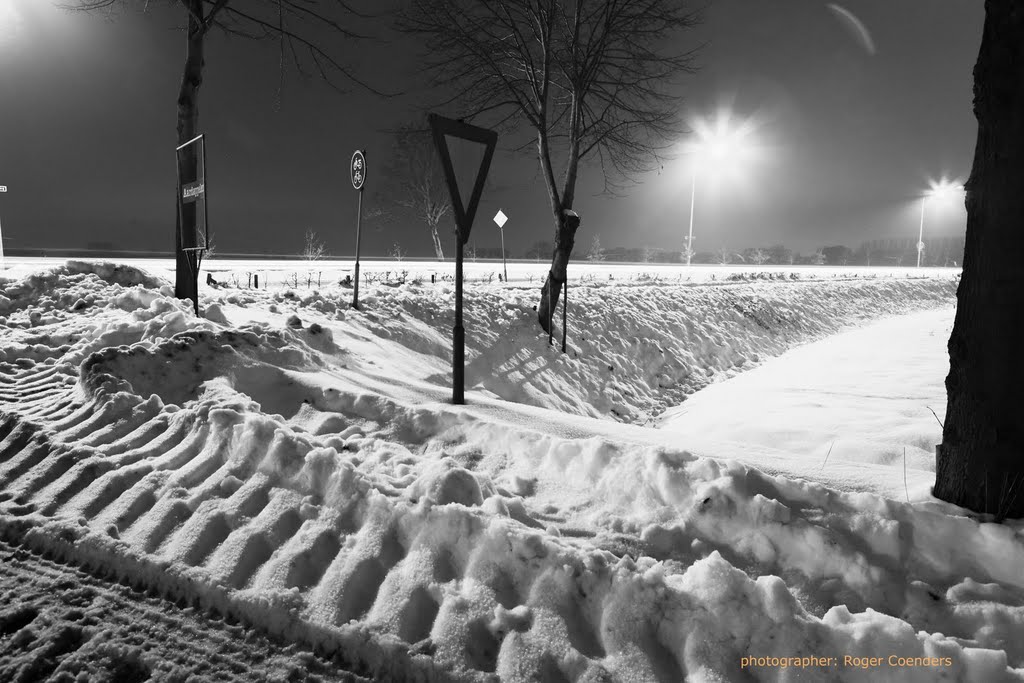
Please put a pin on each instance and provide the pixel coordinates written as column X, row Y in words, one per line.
column 851, row 133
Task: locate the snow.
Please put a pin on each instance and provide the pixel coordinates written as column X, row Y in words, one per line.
column 62, row 623
column 861, row 398
column 295, row 464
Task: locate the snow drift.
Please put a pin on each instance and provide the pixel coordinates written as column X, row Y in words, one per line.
column 309, row 479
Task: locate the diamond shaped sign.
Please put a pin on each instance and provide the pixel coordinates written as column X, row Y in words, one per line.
column 500, row 218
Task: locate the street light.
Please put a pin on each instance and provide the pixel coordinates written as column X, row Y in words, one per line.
column 940, row 190
column 720, row 146
column 3, row 189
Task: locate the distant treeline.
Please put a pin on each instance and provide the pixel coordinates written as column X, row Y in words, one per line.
column 938, row 251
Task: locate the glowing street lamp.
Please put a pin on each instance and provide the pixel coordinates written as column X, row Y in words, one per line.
column 720, row 146
column 941, row 190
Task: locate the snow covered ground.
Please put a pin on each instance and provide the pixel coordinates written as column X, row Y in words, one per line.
column 841, row 405
column 295, row 465
column 63, row 623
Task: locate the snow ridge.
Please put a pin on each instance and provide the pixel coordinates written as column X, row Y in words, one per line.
column 244, row 470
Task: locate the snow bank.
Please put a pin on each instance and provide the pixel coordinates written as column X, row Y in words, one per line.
column 633, row 350
column 262, row 471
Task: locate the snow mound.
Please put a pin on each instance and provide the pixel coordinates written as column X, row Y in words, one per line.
column 49, row 296
column 632, row 351
column 247, row 471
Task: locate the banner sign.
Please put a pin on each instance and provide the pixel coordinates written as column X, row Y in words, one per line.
column 192, row 210
column 192, row 192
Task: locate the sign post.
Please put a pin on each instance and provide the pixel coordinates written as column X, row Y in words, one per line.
column 500, row 219
column 357, row 169
column 565, row 310
column 464, row 214
column 192, row 211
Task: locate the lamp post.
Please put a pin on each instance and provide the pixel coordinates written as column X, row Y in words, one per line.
column 3, row 189
column 720, row 146
column 940, row 190
column 689, row 237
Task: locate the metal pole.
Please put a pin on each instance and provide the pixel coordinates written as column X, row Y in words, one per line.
column 565, row 305
column 359, row 229
column 920, row 231
column 503, row 266
column 458, row 333
column 206, row 219
column 689, row 239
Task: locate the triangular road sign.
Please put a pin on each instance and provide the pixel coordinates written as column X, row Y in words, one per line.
column 440, row 127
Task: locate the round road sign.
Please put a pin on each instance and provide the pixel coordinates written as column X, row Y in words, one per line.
column 358, row 169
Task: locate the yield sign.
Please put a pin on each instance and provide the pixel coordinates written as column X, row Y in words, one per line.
column 440, row 127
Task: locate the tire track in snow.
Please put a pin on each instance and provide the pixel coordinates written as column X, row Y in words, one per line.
column 59, row 619
column 247, row 515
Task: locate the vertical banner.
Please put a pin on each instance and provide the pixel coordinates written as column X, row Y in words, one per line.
column 195, row 230
column 192, row 219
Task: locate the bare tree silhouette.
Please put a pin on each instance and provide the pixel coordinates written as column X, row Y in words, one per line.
column 588, row 78
column 414, row 179
column 305, row 31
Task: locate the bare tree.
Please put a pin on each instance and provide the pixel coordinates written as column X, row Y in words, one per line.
column 208, row 253
column 980, row 464
column 779, row 254
column 687, row 252
column 758, row 256
column 538, row 249
column 596, row 253
column 313, row 248
column 302, row 29
column 396, row 252
column 587, row 78
column 723, row 255
column 416, row 181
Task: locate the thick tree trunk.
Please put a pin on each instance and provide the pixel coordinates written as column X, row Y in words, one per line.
column 980, row 464
column 186, row 270
column 565, row 237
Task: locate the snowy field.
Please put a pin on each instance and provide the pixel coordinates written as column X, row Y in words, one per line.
column 283, row 273
column 725, row 478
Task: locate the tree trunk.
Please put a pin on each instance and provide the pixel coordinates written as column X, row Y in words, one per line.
column 186, row 263
column 565, row 237
column 980, row 464
column 437, row 242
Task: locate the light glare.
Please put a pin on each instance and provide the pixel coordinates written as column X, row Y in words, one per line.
column 10, row 21
column 722, row 145
column 944, row 189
